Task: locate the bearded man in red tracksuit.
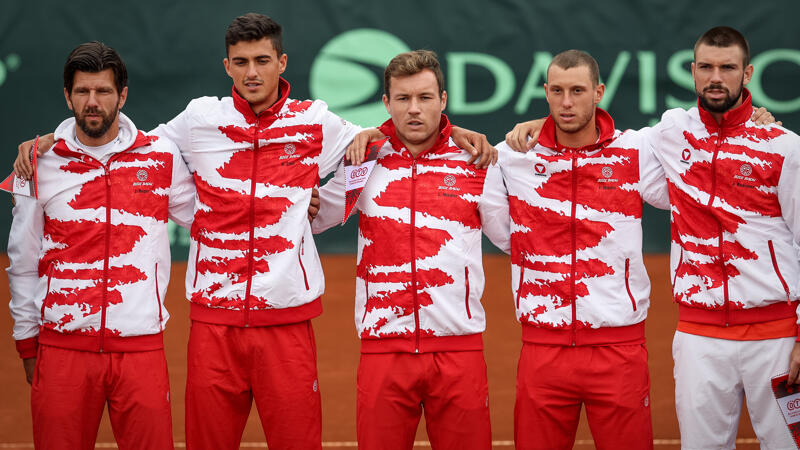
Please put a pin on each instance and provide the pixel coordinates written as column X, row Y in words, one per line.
column 420, row 276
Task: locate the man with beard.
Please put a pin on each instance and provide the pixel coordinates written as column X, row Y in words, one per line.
column 90, row 263
column 735, row 215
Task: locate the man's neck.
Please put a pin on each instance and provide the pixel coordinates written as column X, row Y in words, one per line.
column 109, row 136
column 588, row 135
column 267, row 104
column 416, row 149
column 719, row 116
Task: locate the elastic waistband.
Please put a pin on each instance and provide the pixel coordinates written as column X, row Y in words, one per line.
column 721, row 317
column 256, row 318
column 92, row 343
column 630, row 334
column 408, row 344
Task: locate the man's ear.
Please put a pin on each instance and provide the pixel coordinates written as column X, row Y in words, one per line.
column 69, row 101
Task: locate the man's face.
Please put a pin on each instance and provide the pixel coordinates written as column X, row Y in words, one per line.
column 416, row 108
column 719, row 76
column 95, row 102
column 255, row 68
column 572, row 97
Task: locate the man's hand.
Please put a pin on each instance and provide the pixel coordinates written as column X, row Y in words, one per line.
column 29, row 364
column 794, row 365
column 763, row 117
column 524, row 135
column 313, row 207
column 22, row 166
column 482, row 152
column 356, row 152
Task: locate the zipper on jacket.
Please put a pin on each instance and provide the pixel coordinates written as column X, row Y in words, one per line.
column 466, row 295
column 627, row 283
column 158, row 303
column 724, row 276
column 714, row 169
column 250, row 261
column 721, row 240
column 574, row 237
column 47, row 293
column 414, row 253
column 105, row 258
column 521, row 278
column 197, row 257
column 777, row 271
column 300, row 258
column 366, row 287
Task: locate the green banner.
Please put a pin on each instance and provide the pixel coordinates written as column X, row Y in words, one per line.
column 494, row 55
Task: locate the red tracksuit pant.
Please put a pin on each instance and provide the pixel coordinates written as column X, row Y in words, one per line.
column 229, row 367
column 71, row 388
column 451, row 387
column 612, row 381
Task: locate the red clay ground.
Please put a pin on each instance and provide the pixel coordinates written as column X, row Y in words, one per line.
column 338, row 357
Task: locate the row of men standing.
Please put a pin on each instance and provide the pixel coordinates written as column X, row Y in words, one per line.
column 90, row 259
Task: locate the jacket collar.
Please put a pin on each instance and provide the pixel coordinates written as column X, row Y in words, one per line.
column 244, row 108
column 441, row 141
column 603, row 120
column 732, row 118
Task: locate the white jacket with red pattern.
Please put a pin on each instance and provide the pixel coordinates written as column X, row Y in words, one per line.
column 420, row 275
column 252, row 258
column 576, row 235
column 735, row 205
column 90, row 259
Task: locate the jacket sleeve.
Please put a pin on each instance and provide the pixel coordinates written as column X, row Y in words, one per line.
column 493, row 208
column 331, row 203
column 24, row 248
column 652, row 179
column 789, row 195
column 337, row 134
column 182, row 191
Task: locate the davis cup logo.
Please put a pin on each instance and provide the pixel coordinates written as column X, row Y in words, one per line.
column 21, row 182
column 141, row 175
column 449, row 180
column 793, row 405
column 289, row 148
column 607, row 172
column 348, row 74
column 746, row 169
column 360, row 172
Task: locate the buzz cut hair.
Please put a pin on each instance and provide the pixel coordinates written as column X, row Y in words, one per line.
column 577, row 58
column 724, row 37
column 412, row 63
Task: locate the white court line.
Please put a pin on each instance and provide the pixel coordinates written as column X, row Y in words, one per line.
column 353, row 444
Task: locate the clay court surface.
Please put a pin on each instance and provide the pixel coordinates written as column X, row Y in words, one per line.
column 338, row 352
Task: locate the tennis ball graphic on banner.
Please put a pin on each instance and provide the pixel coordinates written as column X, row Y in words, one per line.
column 11, row 63
column 348, row 74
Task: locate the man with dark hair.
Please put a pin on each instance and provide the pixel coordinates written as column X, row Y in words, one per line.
column 580, row 286
column 420, row 275
column 90, row 264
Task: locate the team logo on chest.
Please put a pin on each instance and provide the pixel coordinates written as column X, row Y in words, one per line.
column 142, row 184
column 289, row 151
column 606, row 177
column 539, row 170
column 744, row 178
column 686, row 155
column 448, row 184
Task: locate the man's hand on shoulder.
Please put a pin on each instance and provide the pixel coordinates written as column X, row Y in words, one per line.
column 476, row 144
column 524, row 135
column 763, row 117
column 22, row 165
column 356, row 152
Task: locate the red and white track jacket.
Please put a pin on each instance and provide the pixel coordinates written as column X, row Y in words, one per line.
column 90, row 259
column 252, row 258
column 576, row 235
column 420, row 275
column 735, row 202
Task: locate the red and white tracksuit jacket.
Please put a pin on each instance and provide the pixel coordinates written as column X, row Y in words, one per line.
column 420, row 275
column 734, row 190
column 576, row 235
column 90, row 259
column 252, row 258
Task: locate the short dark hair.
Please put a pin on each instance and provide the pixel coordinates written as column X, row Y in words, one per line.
column 253, row 27
column 724, row 37
column 412, row 63
column 94, row 57
column 577, row 58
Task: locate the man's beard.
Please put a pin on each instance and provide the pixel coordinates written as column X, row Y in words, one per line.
column 105, row 124
column 726, row 104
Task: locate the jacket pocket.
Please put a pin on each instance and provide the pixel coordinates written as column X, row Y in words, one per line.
column 197, row 257
column 158, row 300
column 300, row 258
column 777, row 271
column 466, row 294
column 47, row 293
column 677, row 268
column 521, row 279
column 627, row 282
column 366, row 295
